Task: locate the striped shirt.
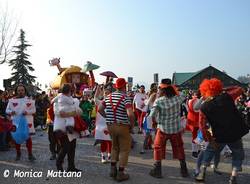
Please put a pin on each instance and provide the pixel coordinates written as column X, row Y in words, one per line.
column 115, row 108
column 167, row 112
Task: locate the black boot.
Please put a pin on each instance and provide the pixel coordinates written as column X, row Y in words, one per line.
column 59, row 165
column 113, row 172
column 18, row 156
column 184, row 171
column 232, row 180
column 53, row 156
column 31, row 157
column 121, row 176
column 202, row 174
column 156, row 171
column 74, row 170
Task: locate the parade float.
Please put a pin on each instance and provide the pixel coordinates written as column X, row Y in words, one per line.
column 75, row 75
column 81, row 78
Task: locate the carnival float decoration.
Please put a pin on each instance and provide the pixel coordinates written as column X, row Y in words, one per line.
column 74, row 75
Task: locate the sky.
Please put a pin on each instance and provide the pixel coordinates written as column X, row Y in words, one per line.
column 135, row 38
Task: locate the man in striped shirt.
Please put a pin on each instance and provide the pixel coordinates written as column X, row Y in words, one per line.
column 117, row 109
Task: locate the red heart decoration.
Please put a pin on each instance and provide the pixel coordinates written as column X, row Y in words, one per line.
column 28, row 104
column 15, row 104
column 106, row 132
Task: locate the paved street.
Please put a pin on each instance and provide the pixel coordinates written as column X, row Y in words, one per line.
column 88, row 159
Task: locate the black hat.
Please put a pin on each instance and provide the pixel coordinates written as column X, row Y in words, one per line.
column 166, row 81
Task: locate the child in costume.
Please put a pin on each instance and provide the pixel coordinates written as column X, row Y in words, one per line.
column 101, row 130
column 86, row 108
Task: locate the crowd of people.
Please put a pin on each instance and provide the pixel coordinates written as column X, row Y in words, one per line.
column 217, row 118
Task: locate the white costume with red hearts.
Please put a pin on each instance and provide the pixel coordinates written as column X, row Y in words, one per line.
column 21, row 105
column 101, row 129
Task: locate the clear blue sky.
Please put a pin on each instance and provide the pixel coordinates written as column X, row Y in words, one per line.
column 137, row 37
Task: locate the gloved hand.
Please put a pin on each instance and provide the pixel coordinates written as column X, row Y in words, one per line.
column 70, row 129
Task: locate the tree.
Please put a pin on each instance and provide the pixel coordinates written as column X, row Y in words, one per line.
column 21, row 66
column 8, row 27
column 244, row 79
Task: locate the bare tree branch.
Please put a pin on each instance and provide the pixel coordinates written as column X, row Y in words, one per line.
column 8, row 27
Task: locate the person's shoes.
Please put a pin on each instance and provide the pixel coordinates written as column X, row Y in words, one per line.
column 216, row 171
column 232, row 180
column 139, row 131
column 113, row 172
column 195, row 173
column 142, row 152
column 31, row 158
column 121, row 176
column 53, row 157
column 109, row 159
column 156, row 171
column 184, row 170
column 194, row 155
column 201, row 176
column 59, row 167
column 18, row 157
column 74, row 170
column 103, row 160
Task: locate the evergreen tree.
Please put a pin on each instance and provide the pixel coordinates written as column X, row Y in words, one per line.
column 21, row 66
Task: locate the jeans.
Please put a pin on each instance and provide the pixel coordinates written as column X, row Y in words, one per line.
column 237, row 153
column 201, row 156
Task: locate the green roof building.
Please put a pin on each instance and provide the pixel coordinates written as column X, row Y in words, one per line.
column 192, row 80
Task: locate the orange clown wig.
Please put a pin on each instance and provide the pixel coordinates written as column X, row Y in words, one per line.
column 211, row 87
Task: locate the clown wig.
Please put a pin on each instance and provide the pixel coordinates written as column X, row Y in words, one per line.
column 211, row 87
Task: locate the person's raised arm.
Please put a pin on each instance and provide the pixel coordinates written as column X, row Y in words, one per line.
column 101, row 109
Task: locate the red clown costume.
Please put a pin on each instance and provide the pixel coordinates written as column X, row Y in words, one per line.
column 193, row 123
